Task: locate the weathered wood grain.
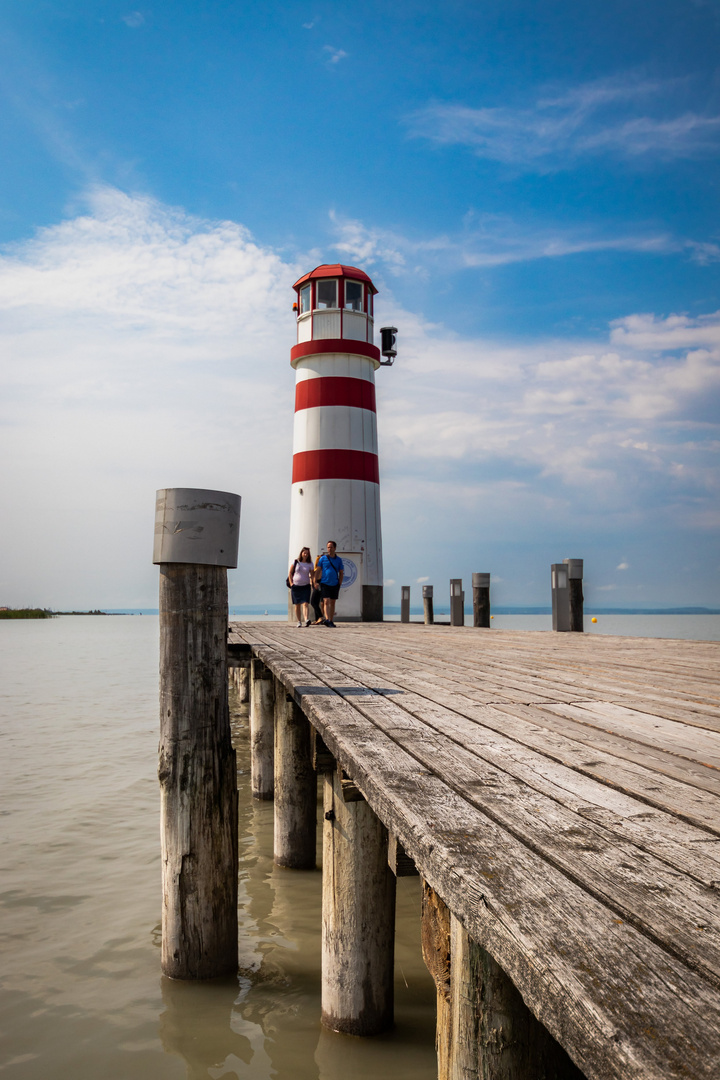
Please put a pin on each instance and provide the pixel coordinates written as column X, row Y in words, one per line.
column 545, row 835
column 198, row 776
column 262, row 733
column 358, row 916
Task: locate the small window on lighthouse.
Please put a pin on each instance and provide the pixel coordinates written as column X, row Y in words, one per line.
column 353, row 295
column 370, row 303
column 326, row 292
column 305, row 298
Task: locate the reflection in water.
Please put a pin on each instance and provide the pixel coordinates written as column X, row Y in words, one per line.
column 81, row 993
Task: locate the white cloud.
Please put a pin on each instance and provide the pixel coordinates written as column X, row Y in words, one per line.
column 421, row 580
column 590, row 119
column 133, row 19
column 495, row 240
column 336, row 55
column 143, row 348
column 623, row 566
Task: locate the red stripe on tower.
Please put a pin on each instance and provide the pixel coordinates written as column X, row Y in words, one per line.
column 335, row 390
column 335, row 465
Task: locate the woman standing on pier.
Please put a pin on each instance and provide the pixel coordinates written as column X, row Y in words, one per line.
column 301, row 575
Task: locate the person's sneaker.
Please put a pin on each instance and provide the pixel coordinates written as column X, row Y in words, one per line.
column 330, row 624
column 308, row 623
column 299, row 626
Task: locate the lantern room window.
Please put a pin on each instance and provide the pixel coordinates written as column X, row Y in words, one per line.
column 353, row 295
column 305, row 301
column 369, row 302
column 327, row 294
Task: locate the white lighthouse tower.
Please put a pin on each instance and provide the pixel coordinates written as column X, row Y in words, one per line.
column 335, row 482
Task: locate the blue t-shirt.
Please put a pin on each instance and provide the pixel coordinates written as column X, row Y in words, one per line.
column 330, row 569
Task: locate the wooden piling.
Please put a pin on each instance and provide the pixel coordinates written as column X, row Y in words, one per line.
column 481, row 600
column 262, row 730
column 575, row 576
column 242, row 683
column 358, row 916
column 428, row 605
column 198, row 777
column 435, row 939
column 295, row 786
column 494, row 1036
column 404, row 603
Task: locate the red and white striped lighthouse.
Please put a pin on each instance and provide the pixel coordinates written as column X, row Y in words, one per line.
column 335, row 482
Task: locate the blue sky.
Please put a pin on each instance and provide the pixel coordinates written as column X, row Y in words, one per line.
column 533, row 189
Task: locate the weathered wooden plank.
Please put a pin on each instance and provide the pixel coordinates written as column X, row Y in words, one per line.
column 634, row 883
column 462, row 869
column 608, row 759
column 659, row 833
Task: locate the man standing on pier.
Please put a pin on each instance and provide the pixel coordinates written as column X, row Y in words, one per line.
column 331, row 570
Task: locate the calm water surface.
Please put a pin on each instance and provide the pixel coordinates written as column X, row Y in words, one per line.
column 81, row 993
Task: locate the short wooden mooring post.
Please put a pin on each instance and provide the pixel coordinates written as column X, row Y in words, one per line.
column 262, row 730
column 404, row 603
column 428, row 605
column 481, row 600
column 575, row 580
column 295, row 786
column 358, row 916
column 457, row 602
column 196, row 539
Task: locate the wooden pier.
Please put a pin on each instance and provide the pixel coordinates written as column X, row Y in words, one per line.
column 559, row 794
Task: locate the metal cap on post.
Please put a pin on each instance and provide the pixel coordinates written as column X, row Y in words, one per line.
column 194, row 525
column 575, row 568
column 405, row 603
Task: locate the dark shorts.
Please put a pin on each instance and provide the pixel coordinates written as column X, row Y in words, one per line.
column 300, row 594
column 329, row 592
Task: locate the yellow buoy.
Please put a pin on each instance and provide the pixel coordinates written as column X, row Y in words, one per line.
column 492, row 616
column 593, row 619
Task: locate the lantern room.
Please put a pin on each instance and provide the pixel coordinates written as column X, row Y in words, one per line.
column 335, row 302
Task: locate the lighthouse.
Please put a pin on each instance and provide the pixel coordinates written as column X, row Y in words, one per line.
column 335, row 481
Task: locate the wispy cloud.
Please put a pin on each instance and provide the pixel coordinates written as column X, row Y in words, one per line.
column 495, row 240
column 592, row 119
column 336, row 55
column 134, row 19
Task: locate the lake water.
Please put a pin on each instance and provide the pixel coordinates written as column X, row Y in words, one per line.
column 81, row 995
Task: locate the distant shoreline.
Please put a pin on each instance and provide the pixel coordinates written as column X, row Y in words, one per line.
column 281, row 611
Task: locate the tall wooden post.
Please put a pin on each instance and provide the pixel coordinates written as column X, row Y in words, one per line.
column 404, row 603
column 262, row 730
column 358, row 916
column 481, row 600
column 196, row 534
column 428, row 605
column 295, row 786
column 575, row 578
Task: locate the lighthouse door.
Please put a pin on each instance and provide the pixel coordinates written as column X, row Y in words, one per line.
column 349, row 606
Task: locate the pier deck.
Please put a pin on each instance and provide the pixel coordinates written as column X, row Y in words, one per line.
column 561, row 794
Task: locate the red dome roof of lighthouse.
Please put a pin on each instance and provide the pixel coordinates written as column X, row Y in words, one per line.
column 335, row 270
